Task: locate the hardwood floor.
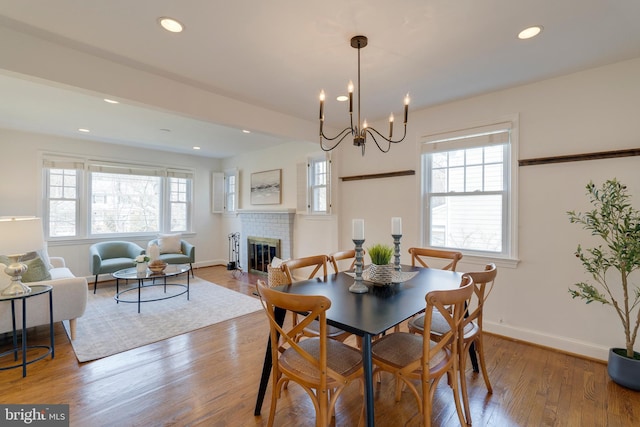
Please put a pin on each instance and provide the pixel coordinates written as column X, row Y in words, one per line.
column 209, row 377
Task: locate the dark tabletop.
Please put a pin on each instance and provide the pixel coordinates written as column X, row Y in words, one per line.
column 382, row 307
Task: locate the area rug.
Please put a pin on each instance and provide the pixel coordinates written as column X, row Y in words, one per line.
column 108, row 327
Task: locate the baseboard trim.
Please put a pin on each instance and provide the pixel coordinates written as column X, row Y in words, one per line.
column 553, row 342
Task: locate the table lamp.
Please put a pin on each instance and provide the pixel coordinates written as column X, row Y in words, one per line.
column 17, row 237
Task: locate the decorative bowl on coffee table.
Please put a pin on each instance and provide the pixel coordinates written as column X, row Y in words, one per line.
column 157, row 266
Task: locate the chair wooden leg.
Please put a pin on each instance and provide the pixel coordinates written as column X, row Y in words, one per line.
column 95, row 284
column 322, row 418
column 456, row 394
column 463, row 385
column 483, row 364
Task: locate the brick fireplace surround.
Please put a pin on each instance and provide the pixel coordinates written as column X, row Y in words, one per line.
column 274, row 224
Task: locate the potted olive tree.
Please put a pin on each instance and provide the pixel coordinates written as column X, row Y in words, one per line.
column 611, row 265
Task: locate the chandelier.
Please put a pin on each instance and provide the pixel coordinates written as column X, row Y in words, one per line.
column 360, row 131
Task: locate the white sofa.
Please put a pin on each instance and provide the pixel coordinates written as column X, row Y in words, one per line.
column 69, row 300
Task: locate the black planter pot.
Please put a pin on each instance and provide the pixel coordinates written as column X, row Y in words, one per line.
column 624, row 371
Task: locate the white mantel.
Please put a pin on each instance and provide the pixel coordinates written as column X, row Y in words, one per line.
column 266, row 211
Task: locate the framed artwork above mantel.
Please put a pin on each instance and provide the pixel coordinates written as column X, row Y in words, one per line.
column 265, row 187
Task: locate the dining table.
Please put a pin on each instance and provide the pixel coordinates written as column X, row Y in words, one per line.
column 365, row 314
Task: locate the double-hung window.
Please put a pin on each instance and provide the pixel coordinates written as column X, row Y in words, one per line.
column 314, row 185
column 468, row 191
column 179, row 184
column 62, row 197
column 231, row 190
column 87, row 198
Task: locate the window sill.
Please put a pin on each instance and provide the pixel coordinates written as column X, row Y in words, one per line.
column 484, row 260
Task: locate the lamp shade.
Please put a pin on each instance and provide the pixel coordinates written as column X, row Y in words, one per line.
column 20, row 235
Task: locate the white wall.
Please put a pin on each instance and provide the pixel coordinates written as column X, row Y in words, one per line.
column 312, row 234
column 591, row 111
column 21, row 190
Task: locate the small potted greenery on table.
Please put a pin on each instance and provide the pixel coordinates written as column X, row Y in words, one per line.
column 381, row 269
column 611, row 265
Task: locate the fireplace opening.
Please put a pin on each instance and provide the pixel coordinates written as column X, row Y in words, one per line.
column 260, row 253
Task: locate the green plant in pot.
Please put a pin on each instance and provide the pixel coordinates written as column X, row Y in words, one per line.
column 381, row 269
column 611, row 265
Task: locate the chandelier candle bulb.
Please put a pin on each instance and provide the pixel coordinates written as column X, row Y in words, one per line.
column 406, row 108
column 396, row 226
column 390, row 125
column 350, row 89
column 322, row 105
column 358, row 229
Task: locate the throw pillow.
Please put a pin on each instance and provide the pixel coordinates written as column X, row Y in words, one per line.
column 170, row 243
column 41, row 253
column 37, row 271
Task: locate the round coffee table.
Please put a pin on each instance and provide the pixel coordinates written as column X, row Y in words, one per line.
column 171, row 270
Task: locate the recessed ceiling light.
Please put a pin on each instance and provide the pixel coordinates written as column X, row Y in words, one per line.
column 530, row 32
column 246, row 131
column 342, row 98
column 84, row 130
column 170, row 24
column 195, row 147
column 111, row 101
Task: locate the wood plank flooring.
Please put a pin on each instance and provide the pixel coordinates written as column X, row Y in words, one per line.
column 210, row 377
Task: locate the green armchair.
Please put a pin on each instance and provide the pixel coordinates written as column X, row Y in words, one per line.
column 187, row 254
column 109, row 257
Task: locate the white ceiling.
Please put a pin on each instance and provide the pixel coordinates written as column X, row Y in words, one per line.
column 278, row 54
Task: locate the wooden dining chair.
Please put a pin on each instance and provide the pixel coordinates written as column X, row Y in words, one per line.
column 472, row 341
column 335, row 257
column 409, row 356
column 420, row 256
column 317, row 264
column 321, row 364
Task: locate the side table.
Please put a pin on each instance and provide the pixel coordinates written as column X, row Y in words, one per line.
column 35, row 291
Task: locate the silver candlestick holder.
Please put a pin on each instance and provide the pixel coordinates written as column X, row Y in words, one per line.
column 358, row 287
column 396, row 254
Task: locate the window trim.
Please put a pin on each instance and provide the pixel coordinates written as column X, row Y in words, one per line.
column 447, row 140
